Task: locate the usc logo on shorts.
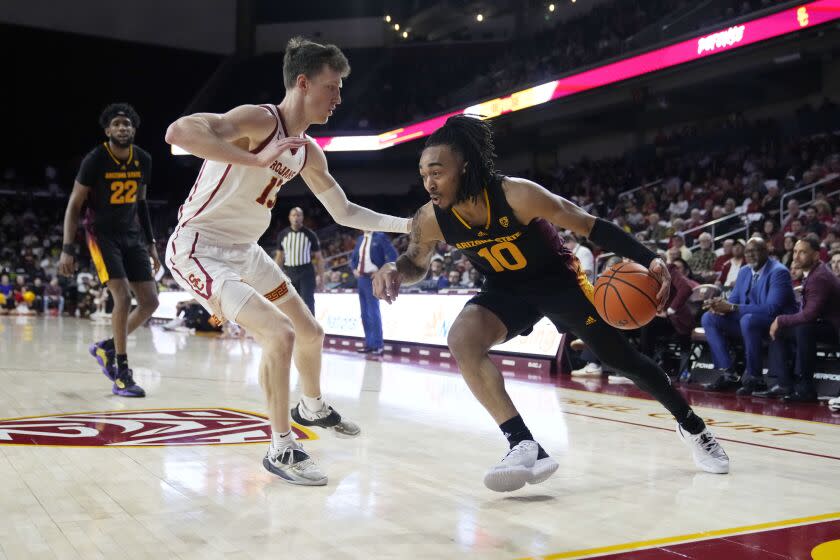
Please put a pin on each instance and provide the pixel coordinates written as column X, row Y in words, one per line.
column 196, row 282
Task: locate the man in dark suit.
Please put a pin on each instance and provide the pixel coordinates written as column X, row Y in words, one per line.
column 819, row 319
column 762, row 291
column 372, row 250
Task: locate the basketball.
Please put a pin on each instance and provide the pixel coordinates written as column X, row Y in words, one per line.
column 625, row 295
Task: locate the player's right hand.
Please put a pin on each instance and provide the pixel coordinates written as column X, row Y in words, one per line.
column 386, row 282
column 276, row 147
column 67, row 264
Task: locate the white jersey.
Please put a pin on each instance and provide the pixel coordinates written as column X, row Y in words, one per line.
column 232, row 203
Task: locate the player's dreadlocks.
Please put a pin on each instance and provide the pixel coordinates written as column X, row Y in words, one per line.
column 119, row 109
column 473, row 139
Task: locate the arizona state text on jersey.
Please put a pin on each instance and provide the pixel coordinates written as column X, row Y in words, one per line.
column 114, row 184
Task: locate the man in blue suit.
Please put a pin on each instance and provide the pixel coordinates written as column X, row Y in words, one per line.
column 763, row 291
column 372, row 250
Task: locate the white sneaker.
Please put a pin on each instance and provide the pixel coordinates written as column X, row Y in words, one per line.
column 293, row 464
column 518, row 467
column 834, row 404
column 326, row 418
column 174, row 324
column 707, row 452
column 591, row 369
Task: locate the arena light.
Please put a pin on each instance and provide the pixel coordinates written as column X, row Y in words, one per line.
column 479, row 18
column 396, row 27
column 699, row 47
column 387, row 19
column 551, row 7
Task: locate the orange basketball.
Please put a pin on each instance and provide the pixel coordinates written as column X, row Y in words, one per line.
column 625, row 295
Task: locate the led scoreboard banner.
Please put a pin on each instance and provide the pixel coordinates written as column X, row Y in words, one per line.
column 809, row 14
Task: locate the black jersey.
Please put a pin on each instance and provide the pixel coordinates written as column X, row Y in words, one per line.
column 114, row 184
column 506, row 251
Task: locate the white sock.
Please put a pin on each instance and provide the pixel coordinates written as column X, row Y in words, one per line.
column 279, row 440
column 313, row 404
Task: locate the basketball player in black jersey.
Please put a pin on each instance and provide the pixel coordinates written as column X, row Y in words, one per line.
column 112, row 180
column 506, row 227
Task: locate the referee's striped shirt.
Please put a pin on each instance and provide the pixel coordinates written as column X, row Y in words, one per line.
column 297, row 246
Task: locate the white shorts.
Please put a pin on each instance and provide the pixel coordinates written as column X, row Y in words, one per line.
column 202, row 267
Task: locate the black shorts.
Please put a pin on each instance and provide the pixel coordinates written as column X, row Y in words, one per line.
column 564, row 299
column 120, row 255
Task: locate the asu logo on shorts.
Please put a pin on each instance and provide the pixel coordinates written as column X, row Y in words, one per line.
column 141, row 428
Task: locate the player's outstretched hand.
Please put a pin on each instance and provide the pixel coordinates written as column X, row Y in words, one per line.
column 386, row 282
column 67, row 264
column 277, row 146
column 660, row 271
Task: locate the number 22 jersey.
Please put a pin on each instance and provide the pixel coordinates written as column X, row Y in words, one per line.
column 114, row 184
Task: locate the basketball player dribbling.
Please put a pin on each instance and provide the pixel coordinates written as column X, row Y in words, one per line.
column 506, row 227
column 250, row 152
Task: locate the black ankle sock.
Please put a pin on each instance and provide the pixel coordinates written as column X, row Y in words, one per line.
column 122, row 361
column 515, row 431
column 692, row 423
column 108, row 344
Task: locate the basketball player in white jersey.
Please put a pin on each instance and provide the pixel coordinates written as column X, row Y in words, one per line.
column 250, row 152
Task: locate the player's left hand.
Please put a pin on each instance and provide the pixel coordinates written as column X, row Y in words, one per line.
column 155, row 258
column 660, row 271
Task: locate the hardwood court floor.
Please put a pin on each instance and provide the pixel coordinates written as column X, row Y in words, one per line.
column 409, row 487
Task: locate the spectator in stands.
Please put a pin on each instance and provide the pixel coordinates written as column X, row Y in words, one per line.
column 476, row 281
column 53, row 296
column 677, row 317
column 702, row 262
column 793, row 213
column 372, row 250
column 787, row 245
column 771, row 201
column 437, row 276
column 37, row 288
column 696, row 219
column 679, row 207
column 773, row 236
column 730, row 270
column 678, row 243
column 656, row 229
column 798, row 333
column 813, row 224
column 762, row 292
column 834, row 262
column 453, row 279
column 332, row 280
column 583, row 253
column 723, row 254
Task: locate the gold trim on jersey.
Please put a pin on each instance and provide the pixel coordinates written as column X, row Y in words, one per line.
column 115, row 158
column 464, row 222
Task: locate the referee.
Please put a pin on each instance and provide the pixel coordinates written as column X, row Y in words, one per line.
column 297, row 250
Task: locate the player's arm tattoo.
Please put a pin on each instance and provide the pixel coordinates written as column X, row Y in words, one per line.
column 414, row 263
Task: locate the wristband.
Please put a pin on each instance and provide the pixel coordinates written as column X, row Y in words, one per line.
column 69, row 248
